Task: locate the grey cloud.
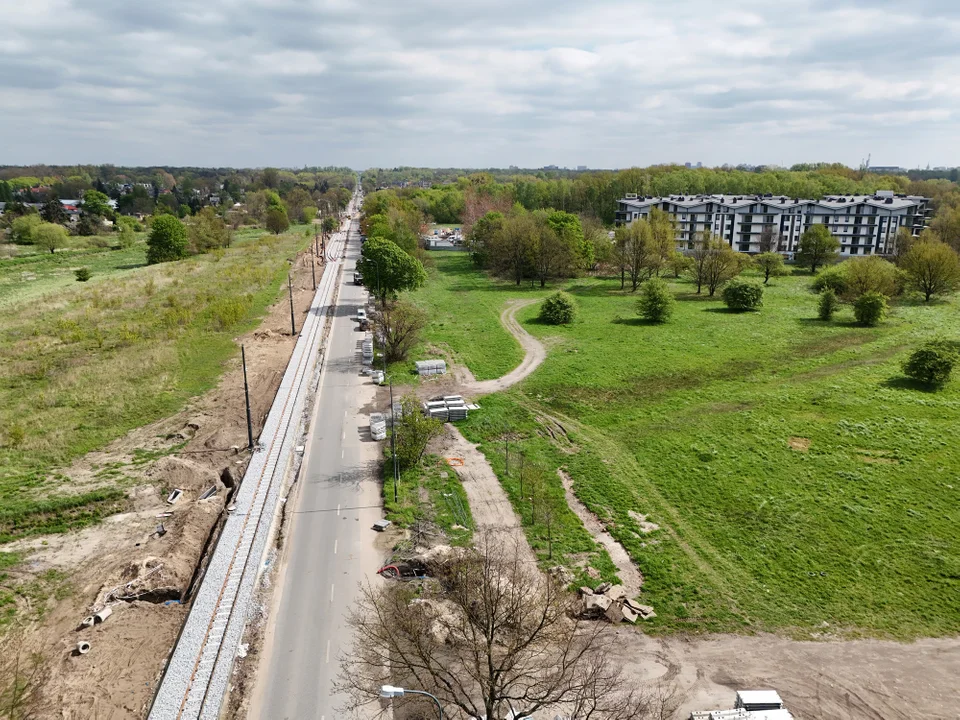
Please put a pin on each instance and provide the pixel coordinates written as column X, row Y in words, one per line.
column 608, row 83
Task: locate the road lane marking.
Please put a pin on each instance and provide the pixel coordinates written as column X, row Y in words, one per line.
column 338, row 508
column 331, row 592
column 341, row 454
column 343, row 435
column 328, row 651
column 335, row 546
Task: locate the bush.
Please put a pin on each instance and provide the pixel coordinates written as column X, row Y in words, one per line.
column 83, row 274
column 656, row 301
column 870, row 308
column 743, row 295
column 833, row 277
column 871, row 274
column 931, row 363
column 558, row 309
column 828, row 304
column 167, row 240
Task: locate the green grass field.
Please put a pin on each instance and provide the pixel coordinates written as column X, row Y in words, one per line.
column 800, row 482
column 84, row 363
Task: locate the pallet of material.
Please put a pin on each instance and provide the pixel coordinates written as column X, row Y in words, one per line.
column 431, row 367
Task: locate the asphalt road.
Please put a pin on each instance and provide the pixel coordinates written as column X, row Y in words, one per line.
column 330, row 546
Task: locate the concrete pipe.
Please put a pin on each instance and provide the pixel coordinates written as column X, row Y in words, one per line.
column 88, row 621
column 103, row 614
column 83, row 647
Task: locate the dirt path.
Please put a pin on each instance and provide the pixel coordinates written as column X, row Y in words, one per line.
column 535, row 353
column 630, row 577
column 489, row 503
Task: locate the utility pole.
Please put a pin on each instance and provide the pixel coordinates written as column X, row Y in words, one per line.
column 393, row 445
column 293, row 324
column 313, row 271
column 246, row 395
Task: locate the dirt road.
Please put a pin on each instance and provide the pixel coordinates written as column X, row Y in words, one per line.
column 534, row 354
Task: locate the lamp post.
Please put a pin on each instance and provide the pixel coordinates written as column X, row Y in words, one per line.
column 389, row 691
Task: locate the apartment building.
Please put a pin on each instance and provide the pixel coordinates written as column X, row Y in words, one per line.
column 864, row 224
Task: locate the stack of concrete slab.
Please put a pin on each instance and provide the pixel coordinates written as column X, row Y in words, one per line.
column 378, row 426
column 367, row 348
column 431, row 367
column 610, row 601
column 448, row 408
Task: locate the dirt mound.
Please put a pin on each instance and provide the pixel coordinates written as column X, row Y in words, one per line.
column 174, row 473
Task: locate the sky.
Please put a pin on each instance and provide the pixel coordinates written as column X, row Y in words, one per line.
column 471, row 83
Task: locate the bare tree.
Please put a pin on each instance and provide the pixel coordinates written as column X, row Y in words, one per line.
column 490, row 636
column 23, row 675
column 638, row 255
column 510, row 249
column 769, row 239
column 714, row 263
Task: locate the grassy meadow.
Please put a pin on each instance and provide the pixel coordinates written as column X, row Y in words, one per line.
column 84, row 363
column 800, row 483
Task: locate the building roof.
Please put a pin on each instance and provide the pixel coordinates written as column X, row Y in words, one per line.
column 890, row 202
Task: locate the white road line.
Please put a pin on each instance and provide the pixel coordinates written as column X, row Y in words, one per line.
column 331, row 592
column 338, row 508
column 343, row 435
column 342, row 454
column 335, row 542
column 328, row 651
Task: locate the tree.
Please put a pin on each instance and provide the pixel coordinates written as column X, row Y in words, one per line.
column 663, row 234
column 277, row 220
column 551, row 253
column 870, row 308
column 491, row 636
column 679, row 263
column 741, row 295
column 638, row 256
column 296, row 200
column 931, row 363
column 329, row 224
column 207, row 231
column 833, row 277
column 569, row 231
column 902, row 243
column 870, row 274
column 510, row 252
column 483, row 236
column 270, row 177
column 50, row 236
column 771, row 265
column 256, row 204
column 558, row 309
column 387, row 270
column 817, row 247
column 399, row 325
column 96, row 204
column 714, row 263
column 127, row 237
column 23, row 229
column 54, row 212
column 946, row 224
column 769, row 240
column 414, row 432
column 656, row 302
column 309, row 214
column 932, row 268
column 167, row 240
column 828, row 304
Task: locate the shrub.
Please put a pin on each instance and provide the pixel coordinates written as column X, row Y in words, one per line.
column 23, row 228
column 558, row 309
column 833, row 277
column 743, row 295
column 655, row 303
column 828, row 304
column 83, row 274
column 870, row 308
column 871, row 274
column 931, row 363
column 167, row 240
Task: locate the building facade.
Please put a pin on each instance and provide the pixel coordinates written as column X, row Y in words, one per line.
column 864, row 224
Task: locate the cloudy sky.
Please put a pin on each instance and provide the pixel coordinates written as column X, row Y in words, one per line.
column 479, row 83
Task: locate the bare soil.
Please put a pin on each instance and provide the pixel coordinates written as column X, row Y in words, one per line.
column 534, row 354
column 126, row 556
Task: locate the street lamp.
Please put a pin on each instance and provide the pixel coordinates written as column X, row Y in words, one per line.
column 389, row 691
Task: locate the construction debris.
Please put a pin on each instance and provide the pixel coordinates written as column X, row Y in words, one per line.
column 378, row 426
column 174, row 496
column 610, row 601
column 448, row 408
